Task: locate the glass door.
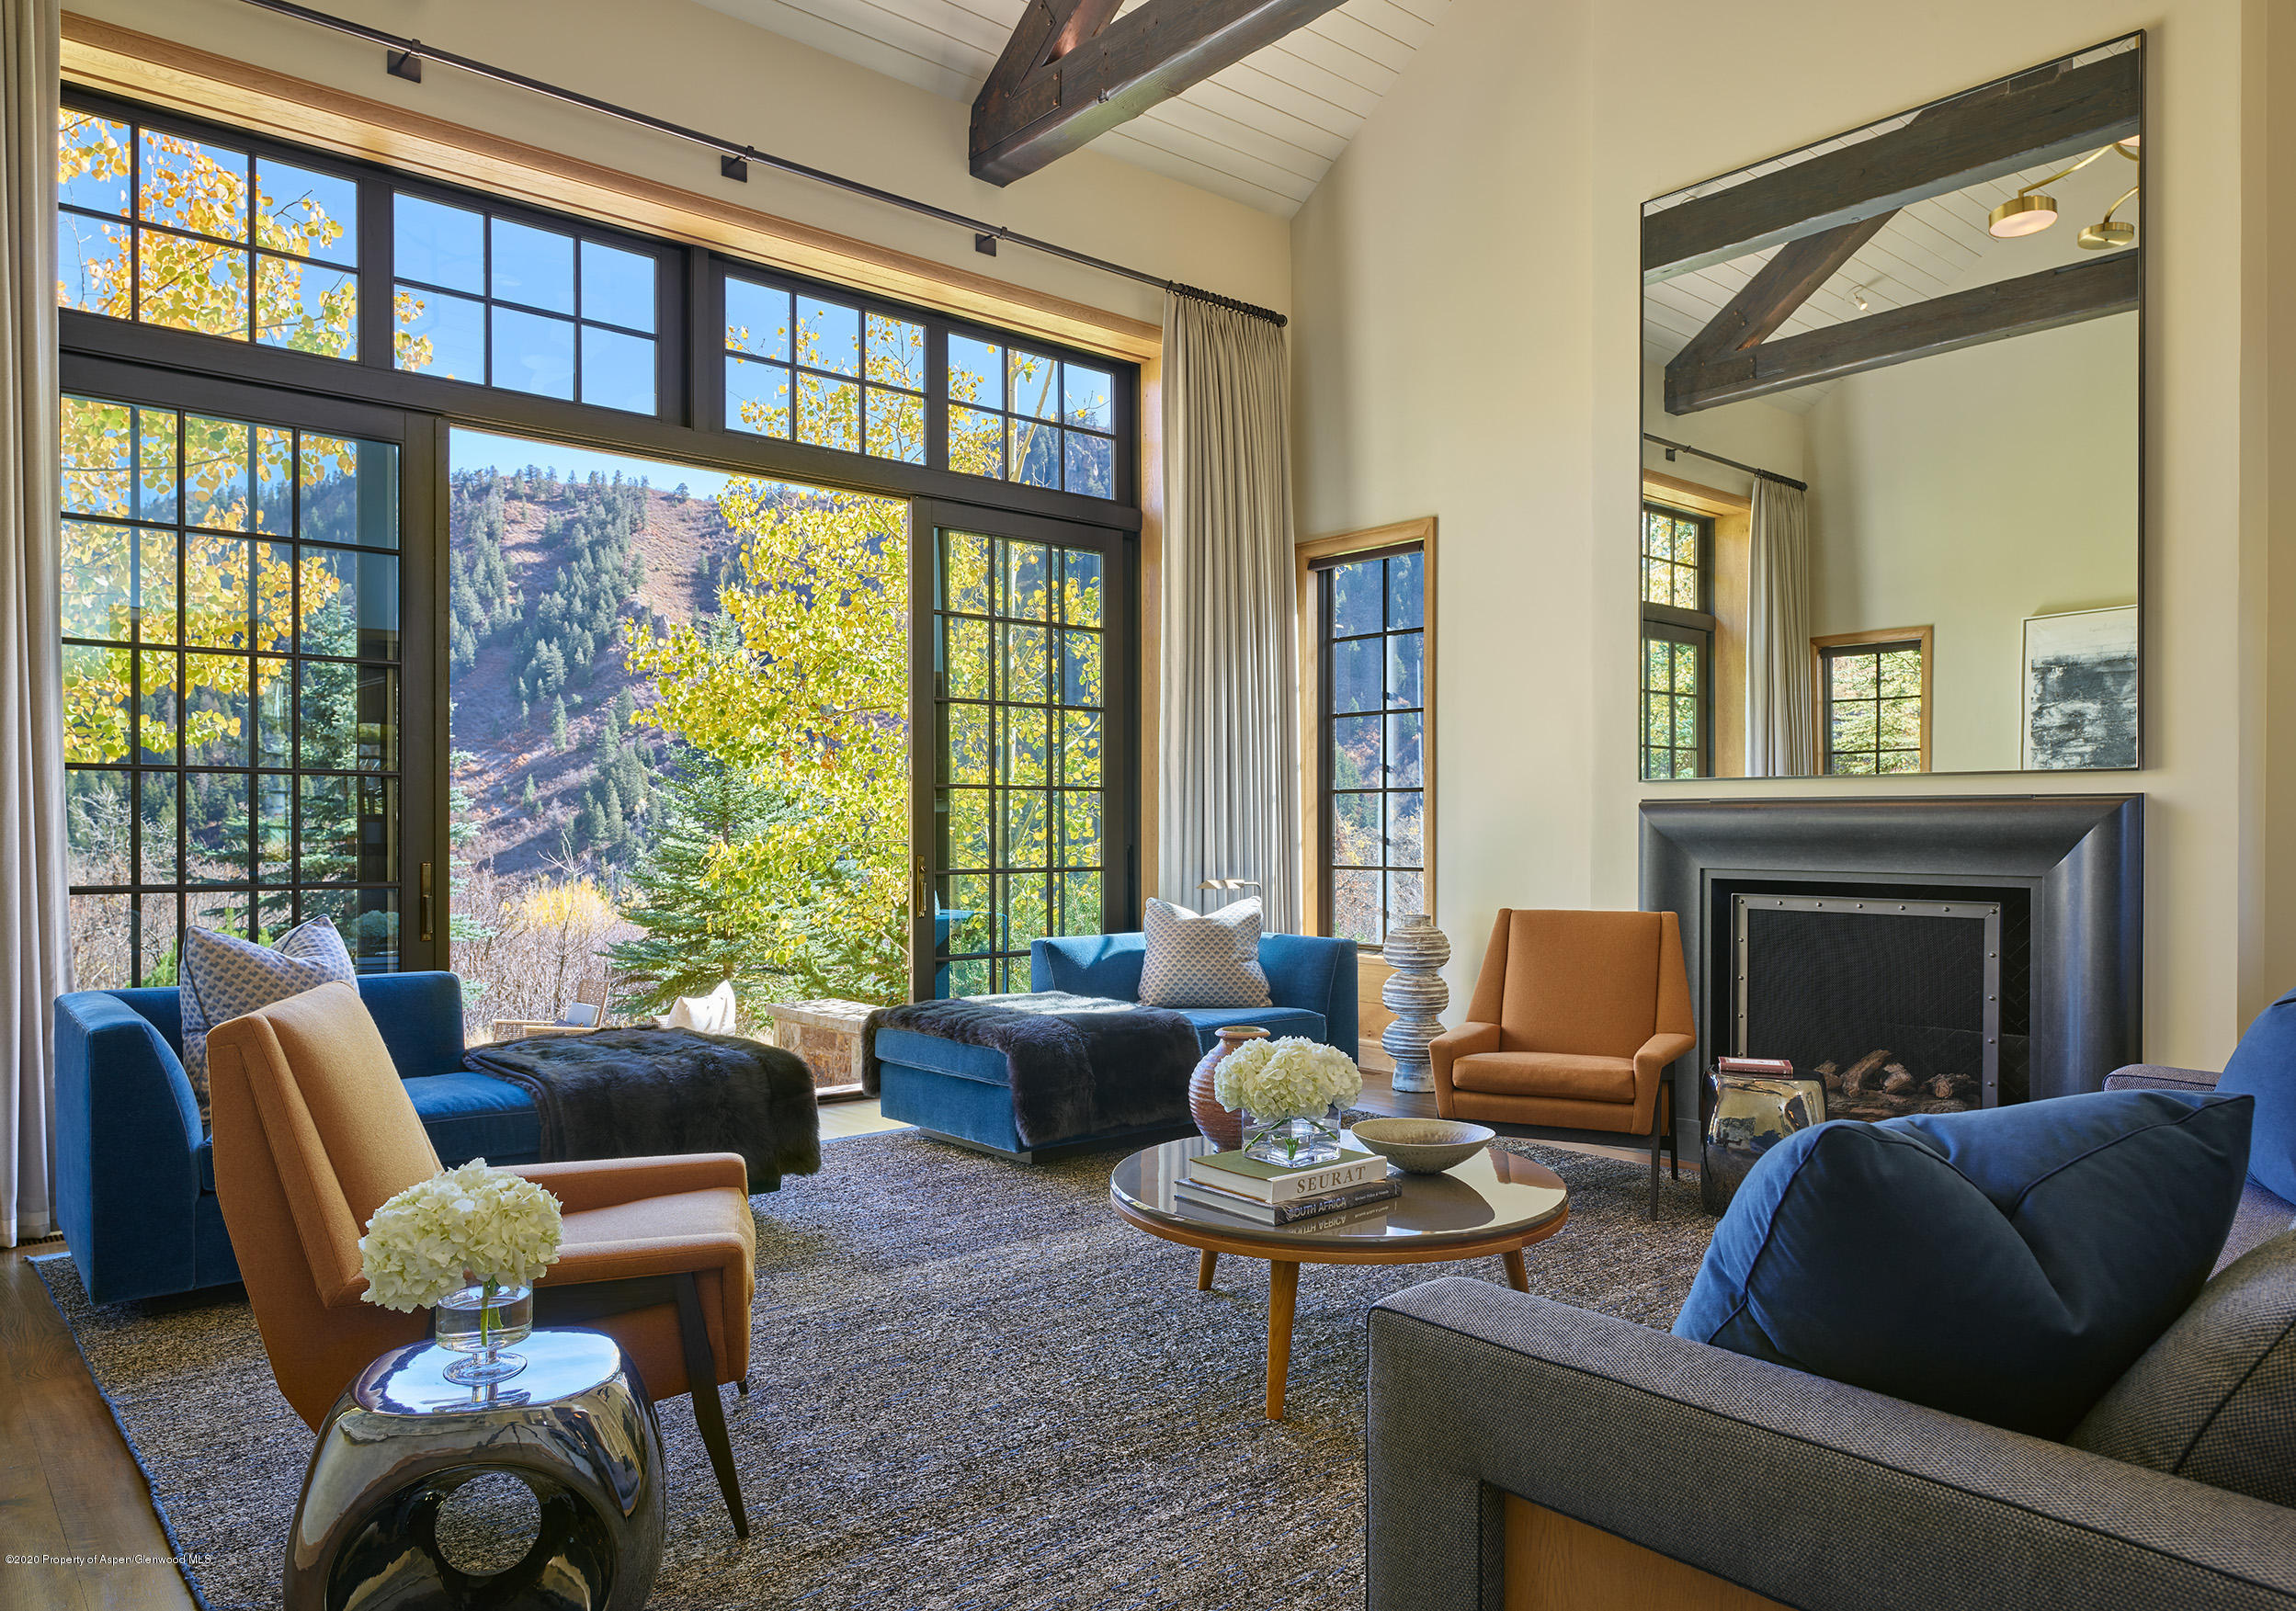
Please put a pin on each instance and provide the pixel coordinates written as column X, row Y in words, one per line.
column 247, row 599
column 1022, row 701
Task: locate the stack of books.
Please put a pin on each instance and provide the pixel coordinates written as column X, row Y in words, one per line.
column 1236, row 1183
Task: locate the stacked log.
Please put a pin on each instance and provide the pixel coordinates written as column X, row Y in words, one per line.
column 1878, row 1085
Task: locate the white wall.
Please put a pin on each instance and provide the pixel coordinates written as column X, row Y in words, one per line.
column 694, row 67
column 1469, row 331
column 1968, row 491
column 1752, row 432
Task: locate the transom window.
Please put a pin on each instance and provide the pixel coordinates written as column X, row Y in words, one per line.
column 1677, row 550
column 231, row 685
column 1019, row 415
column 493, row 300
column 162, row 222
column 858, row 378
column 1875, row 687
column 165, row 230
column 1372, row 614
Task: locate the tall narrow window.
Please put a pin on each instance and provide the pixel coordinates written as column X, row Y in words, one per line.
column 1677, row 643
column 1876, row 689
column 231, row 685
column 1371, row 677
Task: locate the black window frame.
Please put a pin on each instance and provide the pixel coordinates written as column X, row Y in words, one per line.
column 1321, row 570
column 124, row 358
column 1872, row 646
column 1671, row 623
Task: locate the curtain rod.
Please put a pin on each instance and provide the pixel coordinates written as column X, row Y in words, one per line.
column 731, row 151
column 1674, row 448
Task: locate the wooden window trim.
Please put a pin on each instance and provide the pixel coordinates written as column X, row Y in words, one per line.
column 167, row 74
column 1305, row 556
column 1924, row 635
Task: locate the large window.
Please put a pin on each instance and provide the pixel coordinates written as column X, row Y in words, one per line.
column 695, row 701
column 1875, row 687
column 1678, row 628
column 231, row 684
column 1371, row 674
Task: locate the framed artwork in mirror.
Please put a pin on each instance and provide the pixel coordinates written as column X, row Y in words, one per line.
column 1898, row 376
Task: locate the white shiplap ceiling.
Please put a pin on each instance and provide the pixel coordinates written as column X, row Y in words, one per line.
column 1262, row 132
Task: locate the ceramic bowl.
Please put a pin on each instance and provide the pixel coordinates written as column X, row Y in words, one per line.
column 1423, row 1146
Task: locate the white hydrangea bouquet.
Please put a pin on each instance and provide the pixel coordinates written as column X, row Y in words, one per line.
column 470, row 1243
column 1291, row 1092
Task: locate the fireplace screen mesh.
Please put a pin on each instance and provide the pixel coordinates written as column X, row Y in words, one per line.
column 1895, row 1004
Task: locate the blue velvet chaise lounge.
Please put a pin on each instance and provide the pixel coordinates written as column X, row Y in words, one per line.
column 964, row 1093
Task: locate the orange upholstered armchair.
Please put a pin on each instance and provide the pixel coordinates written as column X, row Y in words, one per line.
column 1574, row 1018
column 314, row 1132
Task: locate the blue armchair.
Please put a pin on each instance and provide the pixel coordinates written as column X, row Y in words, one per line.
column 135, row 1182
column 964, row 1092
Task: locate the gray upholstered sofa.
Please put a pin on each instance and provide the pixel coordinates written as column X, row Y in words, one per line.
column 1600, row 1463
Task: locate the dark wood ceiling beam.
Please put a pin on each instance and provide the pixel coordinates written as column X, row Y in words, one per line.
column 2046, row 300
column 1069, row 75
column 2003, row 128
column 1789, row 278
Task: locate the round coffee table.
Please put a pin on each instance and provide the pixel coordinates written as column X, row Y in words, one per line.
column 1495, row 1204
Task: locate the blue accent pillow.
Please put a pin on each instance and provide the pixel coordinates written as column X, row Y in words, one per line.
column 2264, row 1066
column 2006, row 1264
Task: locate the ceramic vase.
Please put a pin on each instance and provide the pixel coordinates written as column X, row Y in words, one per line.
column 1417, row 994
column 1224, row 1127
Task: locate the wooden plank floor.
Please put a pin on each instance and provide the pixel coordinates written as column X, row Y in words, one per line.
column 77, row 1531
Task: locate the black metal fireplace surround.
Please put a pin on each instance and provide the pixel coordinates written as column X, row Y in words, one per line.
column 1812, row 887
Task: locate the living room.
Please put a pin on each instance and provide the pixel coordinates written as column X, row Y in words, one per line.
column 617, row 570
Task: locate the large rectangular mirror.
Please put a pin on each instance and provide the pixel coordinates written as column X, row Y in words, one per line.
column 1892, row 443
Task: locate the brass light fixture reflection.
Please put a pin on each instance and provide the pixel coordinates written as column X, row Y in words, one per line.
column 2031, row 209
column 2108, row 231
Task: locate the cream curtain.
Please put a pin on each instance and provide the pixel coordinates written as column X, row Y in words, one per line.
column 1228, row 801
column 35, row 961
column 1781, row 714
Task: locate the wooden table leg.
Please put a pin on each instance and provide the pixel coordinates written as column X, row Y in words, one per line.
column 1517, row 1277
column 1204, row 1268
column 1283, row 1291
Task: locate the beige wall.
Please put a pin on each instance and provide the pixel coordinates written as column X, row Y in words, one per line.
column 699, row 67
column 1967, row 492
column 1469, row 335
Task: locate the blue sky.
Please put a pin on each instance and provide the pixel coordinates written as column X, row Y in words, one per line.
column 483, row 450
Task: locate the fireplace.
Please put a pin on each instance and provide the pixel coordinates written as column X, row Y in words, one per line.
column 1939, row 954
column 1895, row 1003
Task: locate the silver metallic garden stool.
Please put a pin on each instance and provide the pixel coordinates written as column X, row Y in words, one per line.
column 575, row 1426
column 1747, row 1114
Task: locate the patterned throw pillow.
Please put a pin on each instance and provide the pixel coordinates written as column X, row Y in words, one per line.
column 224, row 976
column 1207, row 961
column 2215, row 1399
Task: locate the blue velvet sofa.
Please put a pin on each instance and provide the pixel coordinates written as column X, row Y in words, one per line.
column 964, row 1093
column 135, row 1184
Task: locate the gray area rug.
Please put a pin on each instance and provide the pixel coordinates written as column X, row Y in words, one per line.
column 972, row 1387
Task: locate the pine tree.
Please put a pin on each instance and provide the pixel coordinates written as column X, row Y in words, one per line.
column 689, row 945
column 527, row 797
column 558, row 724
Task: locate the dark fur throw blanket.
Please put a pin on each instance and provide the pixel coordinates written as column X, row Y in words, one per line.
column 640, row 1093
column 1080, row 1065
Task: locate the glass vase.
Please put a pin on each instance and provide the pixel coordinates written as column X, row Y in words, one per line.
column 480, row 1321
column 1293, row 1141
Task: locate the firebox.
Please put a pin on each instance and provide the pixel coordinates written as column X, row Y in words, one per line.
column 1895, row 1004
